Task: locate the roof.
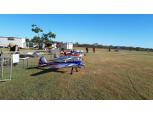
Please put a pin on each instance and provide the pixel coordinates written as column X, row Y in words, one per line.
column 11, row 37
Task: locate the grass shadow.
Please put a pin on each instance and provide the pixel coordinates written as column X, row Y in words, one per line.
column 44, row 71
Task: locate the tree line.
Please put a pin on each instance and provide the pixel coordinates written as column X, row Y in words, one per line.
column 130, row 48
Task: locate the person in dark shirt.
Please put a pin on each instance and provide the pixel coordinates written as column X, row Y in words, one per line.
column 87, row 50
column 94, row 49
column 109, row 49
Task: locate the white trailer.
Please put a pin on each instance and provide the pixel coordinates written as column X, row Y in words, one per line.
column 5, row 41
column 67, row 46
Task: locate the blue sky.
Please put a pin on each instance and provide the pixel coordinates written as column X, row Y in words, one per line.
column 128, row 30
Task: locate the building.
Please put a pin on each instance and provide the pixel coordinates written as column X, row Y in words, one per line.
column 5, row 41
column 67, row 46
column 54, row 45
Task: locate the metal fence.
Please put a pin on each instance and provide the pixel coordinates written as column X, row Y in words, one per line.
column 9, row 62
column 5, row 67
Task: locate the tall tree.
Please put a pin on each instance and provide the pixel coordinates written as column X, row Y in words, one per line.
column 47, row 38
column 51, row 35
column 36, row 29
column 44, row 37
column 37, row 39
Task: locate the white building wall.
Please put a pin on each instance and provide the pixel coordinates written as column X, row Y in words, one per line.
column 68, row 45
column 21, row 42
column 54, row 46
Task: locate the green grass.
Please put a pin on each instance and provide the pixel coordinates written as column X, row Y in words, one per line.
column 107, row 75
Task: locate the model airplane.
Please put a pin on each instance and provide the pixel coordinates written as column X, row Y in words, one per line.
column 76, row 53
column 30, row 54
column 62, row 62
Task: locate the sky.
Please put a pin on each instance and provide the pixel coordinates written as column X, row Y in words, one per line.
column 107, row 29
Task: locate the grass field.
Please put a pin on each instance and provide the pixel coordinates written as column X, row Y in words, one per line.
column 107, row 75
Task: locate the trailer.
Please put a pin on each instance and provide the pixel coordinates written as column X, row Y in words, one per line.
column 67, row 46
column 5, row 41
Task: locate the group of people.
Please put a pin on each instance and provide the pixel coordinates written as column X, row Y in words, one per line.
column 13, row 47
column 93, row 49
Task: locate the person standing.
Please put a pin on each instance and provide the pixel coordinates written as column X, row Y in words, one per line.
column 87, row 50
column 109, row 49
column 94, row 49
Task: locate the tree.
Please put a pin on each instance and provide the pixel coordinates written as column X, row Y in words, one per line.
column 43, row 38
column 36, row 29
column 47, row 38
column 51, row 35
column 37, row 39
column 76, row 44
column 95, row 44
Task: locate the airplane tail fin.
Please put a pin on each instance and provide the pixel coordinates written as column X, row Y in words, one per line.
column 42, row 60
